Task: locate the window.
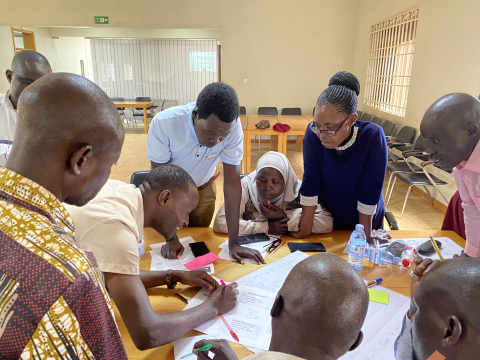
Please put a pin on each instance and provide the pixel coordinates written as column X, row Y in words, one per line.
column 108, row 72
column 201, row 60
column 128, row 72
column 390, row 61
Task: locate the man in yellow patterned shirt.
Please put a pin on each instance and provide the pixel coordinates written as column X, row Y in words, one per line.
column 53, row 302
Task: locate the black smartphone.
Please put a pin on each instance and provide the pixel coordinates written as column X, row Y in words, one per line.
column 199, row 248
column 306, row 247
column 427, row 249
column 252, row 238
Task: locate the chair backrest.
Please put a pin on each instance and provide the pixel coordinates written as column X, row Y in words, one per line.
column 118, row 99
column 388, row 127
column 267, row 111
column 366, row 117
column 313, row 112
column 138, row 177
column 291, row 111
column 143, row 98
column 406, row 134
column 359, row 113
column 242, row 110
column 377, row 120
column 420, row 144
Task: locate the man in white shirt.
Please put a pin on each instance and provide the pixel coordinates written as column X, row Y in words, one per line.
column 196, row 137
column 318, row 314
column 27, row 66
column 111, row 226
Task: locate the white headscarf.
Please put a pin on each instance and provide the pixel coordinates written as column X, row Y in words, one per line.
column 279, row 162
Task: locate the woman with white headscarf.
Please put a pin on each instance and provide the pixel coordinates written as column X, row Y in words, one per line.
column 271, row 201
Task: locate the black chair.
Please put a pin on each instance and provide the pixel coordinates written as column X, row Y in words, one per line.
column 313, row 112
column 138, row 177
column 121, row 110
column 403, row 139
column 242, row 110
column 291, row 111
column 267, row 111
column 366, row 117
column 388, row 127
column 359, row 113
column 150, row 110
column 377, row 120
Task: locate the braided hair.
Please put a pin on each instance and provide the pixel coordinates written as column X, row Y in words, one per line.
column 343, row 89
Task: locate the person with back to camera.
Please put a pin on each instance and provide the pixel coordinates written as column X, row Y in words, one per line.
column 345, row 161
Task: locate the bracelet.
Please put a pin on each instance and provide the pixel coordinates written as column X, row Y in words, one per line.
column 168, row 278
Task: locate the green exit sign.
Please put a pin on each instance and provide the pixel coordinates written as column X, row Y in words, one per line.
column 101, row 20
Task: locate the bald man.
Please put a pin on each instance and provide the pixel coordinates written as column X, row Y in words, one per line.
column 312, row 316
column 27, row 66
column 451, row 127
column 444, row 318
column 54, row 302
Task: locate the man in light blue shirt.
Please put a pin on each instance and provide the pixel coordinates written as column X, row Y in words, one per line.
column 196, row 137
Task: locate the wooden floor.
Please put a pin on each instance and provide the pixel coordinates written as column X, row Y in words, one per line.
column 418, row 214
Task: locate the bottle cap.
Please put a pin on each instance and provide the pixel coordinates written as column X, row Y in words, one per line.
column 359, row 227
column 406, row 262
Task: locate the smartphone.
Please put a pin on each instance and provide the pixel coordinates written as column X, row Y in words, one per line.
column 253, row 238
column 427, row 249
column 306, row 247
column 199, row 248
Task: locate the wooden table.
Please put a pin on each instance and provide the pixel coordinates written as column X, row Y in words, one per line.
column 298, row 125
column 136, row 104
column 252, row 130
column 395, row 278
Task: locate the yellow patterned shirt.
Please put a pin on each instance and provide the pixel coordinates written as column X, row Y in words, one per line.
column 53, row 302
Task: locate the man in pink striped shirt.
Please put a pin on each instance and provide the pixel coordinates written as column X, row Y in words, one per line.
column 451, row 127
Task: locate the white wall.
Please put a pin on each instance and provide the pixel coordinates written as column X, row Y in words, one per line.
column 7, row 52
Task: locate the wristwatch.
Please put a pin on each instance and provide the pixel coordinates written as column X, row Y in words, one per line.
column 170, row 284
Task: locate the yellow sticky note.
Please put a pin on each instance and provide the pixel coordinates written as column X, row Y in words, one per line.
column 378, row 296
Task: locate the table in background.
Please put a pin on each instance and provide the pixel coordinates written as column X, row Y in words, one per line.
column 395, row 278
column 136, row 104
column 252, row 130
column 298, row 125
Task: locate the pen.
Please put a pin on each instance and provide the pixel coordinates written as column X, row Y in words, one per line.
column 374, row 282
column 376, row 245
column 278, row 247
column 203, row 348
column 235, row 336
column 437, row 249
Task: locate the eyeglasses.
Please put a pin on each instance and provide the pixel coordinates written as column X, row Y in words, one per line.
column 316, row 128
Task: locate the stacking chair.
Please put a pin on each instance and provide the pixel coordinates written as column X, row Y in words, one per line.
column 150, row 110
column 404, row 138
column 424, row 179
column 138, row 177
column 377, row 120
column 366, row 117
column 242, row 110
column 265, row 111
column 388, row 127
column 121, row 110
column 313, row 112
column 291, row 111
column 359, row 113
column 402, row 163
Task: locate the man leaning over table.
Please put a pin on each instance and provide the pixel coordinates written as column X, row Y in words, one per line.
column 111, row 226
column 196, row 137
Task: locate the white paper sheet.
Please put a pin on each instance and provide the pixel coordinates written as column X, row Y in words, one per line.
column 250, row 319
column 184, row 346
column 159, row 263
column 260, row 246
column 272, row 276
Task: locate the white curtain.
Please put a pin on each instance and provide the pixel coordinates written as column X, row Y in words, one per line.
column 171, row 70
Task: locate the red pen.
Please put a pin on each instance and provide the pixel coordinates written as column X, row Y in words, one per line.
column 235, row 336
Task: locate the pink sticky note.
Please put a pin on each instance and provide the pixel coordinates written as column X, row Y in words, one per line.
column 201, row 261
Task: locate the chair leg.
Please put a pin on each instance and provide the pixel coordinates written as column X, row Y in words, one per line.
column 391, row 189
column 406, row 198
column 388, row 186
column 430, row 198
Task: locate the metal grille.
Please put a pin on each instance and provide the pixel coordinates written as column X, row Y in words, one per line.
column 390, row 59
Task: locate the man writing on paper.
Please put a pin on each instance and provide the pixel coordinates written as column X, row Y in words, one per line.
column 111, row 226
column 451, row 127
column 196, row 137
column 444, row 317
column 27, row 66
column 313, row 316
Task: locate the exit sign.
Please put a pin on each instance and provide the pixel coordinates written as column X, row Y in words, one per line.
column 101, row 20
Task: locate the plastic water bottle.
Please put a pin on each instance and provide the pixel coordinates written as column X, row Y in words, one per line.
column 358, row 241
column 409, row 254
column 141, row 247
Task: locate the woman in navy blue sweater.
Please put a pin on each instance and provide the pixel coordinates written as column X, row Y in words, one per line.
column 345, row 161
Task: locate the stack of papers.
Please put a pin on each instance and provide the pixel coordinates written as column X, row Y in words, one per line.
column 260, row 246
column 159, row 263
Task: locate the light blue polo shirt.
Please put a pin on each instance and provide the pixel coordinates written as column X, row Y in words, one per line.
column 172, row 137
